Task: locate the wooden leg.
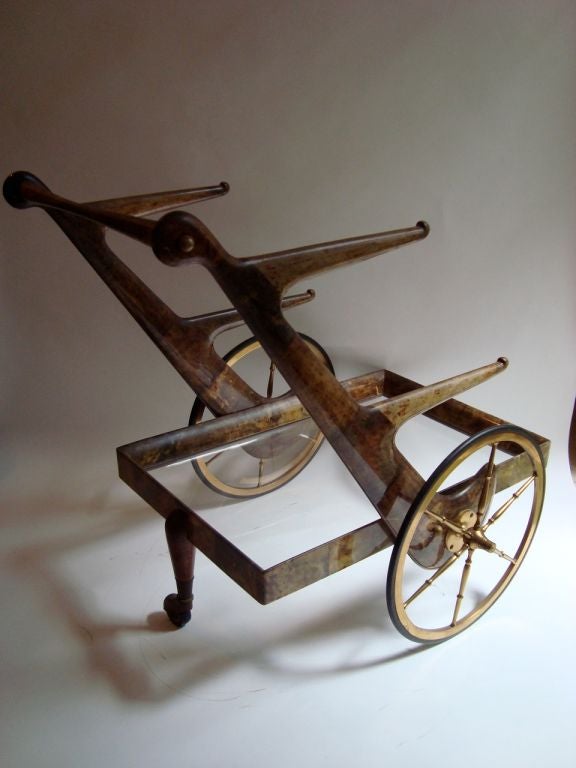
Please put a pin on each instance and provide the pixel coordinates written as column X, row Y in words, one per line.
column 182, row 553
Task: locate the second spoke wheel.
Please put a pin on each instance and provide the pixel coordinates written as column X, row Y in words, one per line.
column 272, row 462
column 471, row 526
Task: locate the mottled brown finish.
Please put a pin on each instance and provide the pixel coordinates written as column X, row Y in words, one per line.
column 362, row 434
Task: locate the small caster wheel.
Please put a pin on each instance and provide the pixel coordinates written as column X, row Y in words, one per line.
column 178, row 611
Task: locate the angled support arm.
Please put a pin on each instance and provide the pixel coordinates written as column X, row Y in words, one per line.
column 181, row 237
column 403, row 407
column 159, row 202
column 285, row 268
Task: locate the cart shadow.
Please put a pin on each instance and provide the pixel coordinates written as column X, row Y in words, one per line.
column 131, row 656
column 139, row 669
column 360, row 621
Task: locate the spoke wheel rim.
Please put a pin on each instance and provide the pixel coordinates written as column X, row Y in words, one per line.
column 208, row 473
column 401, row 600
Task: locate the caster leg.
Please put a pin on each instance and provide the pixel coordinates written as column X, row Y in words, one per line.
column 178, row 606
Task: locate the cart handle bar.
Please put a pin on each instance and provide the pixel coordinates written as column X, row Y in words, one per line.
column 24, row 190
column 171, row 235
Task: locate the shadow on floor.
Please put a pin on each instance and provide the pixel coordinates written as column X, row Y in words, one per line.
column 121, row 652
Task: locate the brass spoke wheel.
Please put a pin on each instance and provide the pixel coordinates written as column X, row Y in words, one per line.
column 471, row 524
column 269, row 462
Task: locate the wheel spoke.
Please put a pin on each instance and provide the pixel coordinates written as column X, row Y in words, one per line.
column 269, row 392
column 463, row 583
column 503, row 555
column 428, row 583
column 444, row 521
column 479, row 540
column 488, row 487
column 506, row 506
column 270, row 387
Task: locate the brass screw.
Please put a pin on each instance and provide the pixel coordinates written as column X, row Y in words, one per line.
column 186, row 244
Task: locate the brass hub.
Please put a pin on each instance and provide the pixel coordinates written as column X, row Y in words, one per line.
column 464, row 520
column 478, row 540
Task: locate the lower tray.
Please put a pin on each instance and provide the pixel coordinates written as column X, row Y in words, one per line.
column 303, row 535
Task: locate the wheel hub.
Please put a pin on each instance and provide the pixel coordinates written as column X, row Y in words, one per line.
column 454, row 540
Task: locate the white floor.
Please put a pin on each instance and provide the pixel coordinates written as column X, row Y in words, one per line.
column 93, row 675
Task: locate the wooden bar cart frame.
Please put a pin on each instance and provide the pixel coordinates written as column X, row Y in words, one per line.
column 433, row 525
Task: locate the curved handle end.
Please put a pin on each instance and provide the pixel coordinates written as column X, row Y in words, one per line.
column 425, row 227
column 17, row 189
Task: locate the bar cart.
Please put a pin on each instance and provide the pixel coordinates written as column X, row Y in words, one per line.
column 458, row 538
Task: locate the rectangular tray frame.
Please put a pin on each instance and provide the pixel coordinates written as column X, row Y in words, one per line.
column 136, row 461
